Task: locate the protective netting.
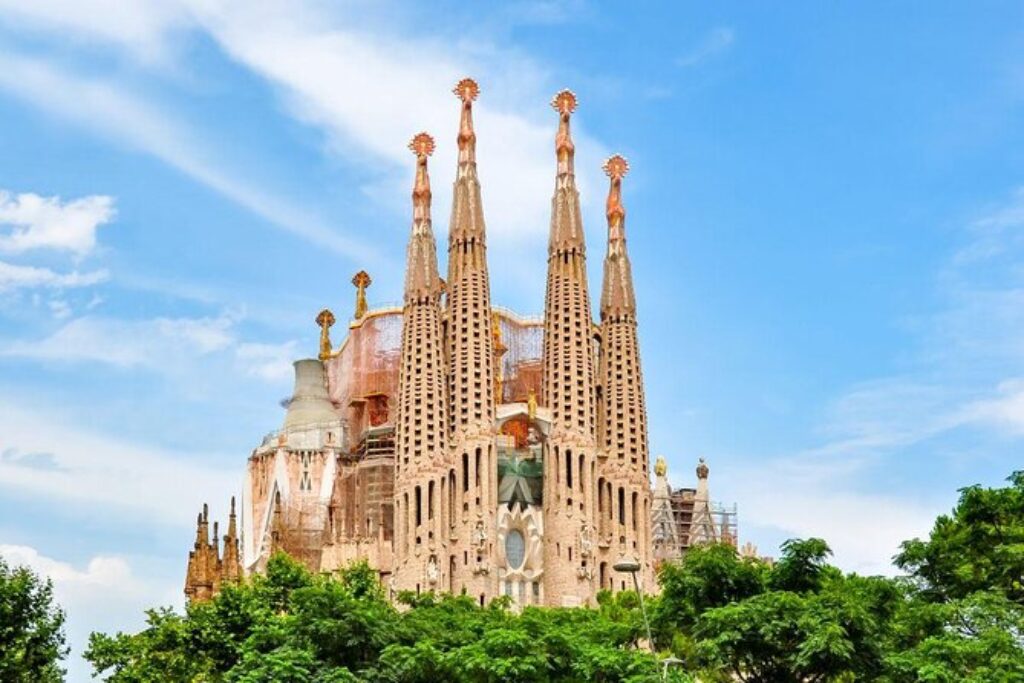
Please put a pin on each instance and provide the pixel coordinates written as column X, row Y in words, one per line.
column 363, row 376
column 523, row 339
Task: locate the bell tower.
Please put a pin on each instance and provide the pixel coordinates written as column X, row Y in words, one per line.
column 421, row 444
column 624, row 489
column 472, row 477
column 567, row 387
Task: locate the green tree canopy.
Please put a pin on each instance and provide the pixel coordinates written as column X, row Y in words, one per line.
column 979, row 547
column 31, row 628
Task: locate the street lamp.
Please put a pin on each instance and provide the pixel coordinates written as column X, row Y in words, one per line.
column 666, row 663
column 629, row 566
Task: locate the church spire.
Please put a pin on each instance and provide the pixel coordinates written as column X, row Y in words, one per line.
column 567, row 385
column 466, row 90
column 421, row 278
column 623, row 411
column 565, row 104
column 566, row 223
column 470, row 343
column 617, row 296
column 421, row 429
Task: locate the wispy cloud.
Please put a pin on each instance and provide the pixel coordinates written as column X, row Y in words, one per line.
column 107, row 109
column 14, row 277
column 370, row 92
column 94, row 469
column 143, row 26
column 714, row 43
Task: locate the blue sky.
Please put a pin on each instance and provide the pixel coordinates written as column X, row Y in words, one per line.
column 826, row 221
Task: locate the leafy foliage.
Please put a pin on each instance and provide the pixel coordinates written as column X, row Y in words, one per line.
column 956, row 616
column 980, row 547
column 31, row 628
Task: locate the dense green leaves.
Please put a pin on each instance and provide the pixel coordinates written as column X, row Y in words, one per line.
column 31, row 628
column 980, row 547
column 956, row 616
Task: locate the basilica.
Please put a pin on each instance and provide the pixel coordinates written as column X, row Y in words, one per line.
column 457, row 446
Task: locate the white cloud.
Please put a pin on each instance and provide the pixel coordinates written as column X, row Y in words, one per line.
column 153, row 343
column 1004, row 411
column 105, row 108
column 271, row 362
column 141, row 25
column 14, row 277
column 864, row 530
column 717, row 41
column 154, row 485
column 36, row 222
column 371, row 92
column 103, row 595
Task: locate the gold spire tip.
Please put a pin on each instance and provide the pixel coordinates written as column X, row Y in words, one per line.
column 325, row 318
column 466, row 90
column 422, row 145
column 616, row 167
column 564, row 102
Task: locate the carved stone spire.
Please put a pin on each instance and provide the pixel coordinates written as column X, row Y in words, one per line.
column 466, row 90
column 566, row 223
column 471, row 360
column 567, row 386
column 232, row 562
column 421, row 428
column 618, row 299
column 361, row 280
column 565, row 104
column 421, row 277
column 623, row 412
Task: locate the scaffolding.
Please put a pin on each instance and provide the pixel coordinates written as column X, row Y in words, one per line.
column 700, row 521
column 363, row 372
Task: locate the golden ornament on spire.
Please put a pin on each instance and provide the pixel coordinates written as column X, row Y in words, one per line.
column 422, row 145
column 565, row 104
column 615, row 167
column 361, row 280
column 531, row 405
column 660, row 466
column 325, row 319
column 467, row 91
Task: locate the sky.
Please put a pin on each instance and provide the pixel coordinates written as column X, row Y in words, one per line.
column 826, row 224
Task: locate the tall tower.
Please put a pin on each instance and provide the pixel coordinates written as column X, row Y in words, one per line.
column 472, row 477
column 567, row 388
column 422, row 425
column 626, row 496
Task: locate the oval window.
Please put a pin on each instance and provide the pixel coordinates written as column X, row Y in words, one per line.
column 515, row 549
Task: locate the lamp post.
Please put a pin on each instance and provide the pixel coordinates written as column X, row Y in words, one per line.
column 666, row 663
column 630, row 566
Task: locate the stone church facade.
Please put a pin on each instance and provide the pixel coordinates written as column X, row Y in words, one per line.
column 455, row 445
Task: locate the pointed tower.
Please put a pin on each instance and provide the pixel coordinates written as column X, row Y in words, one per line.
column 471, row 388
column 703, row 528
column 664, row 527
column 202, row 574
column 231, row 563
column 567, row 388
column 422, row 424
column 623, row 413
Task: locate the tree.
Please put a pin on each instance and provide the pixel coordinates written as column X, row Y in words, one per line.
column 979, row 547
column 979, row 639
column 31, row 628
column 708, row 576
column 833, row 630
